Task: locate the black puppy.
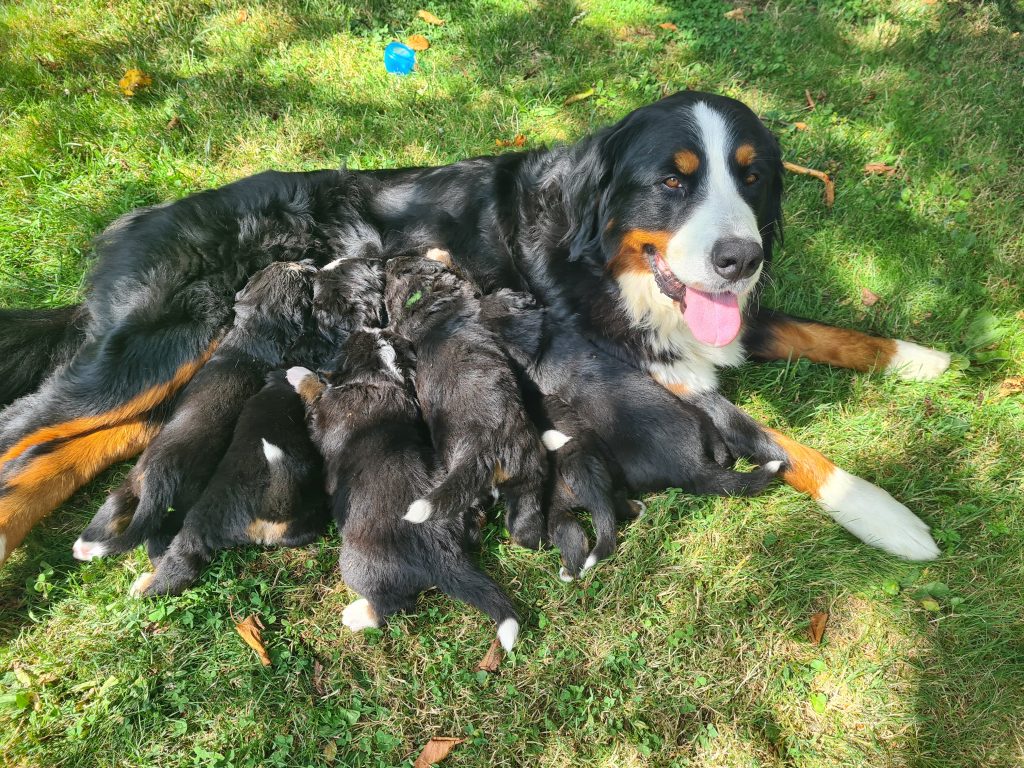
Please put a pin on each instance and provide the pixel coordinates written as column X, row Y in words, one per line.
column 613, row 428
column 378, row 460
column 271, row 313
column 268, row 489
column 470, row 398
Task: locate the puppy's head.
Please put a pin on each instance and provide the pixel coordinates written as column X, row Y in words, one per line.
column 679, row 203
column 412, row 279
column 372, row 356
column 276, row 301
column 348, row 293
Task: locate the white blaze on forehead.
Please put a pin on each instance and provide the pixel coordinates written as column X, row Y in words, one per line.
column 720, row 211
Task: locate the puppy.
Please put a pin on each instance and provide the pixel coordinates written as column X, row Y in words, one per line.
column 470, row 399
column 271, row 313
column 268, row 489
column 378, row 460
column 612, row 428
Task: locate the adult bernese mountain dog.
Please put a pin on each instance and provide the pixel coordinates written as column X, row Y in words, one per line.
column 650, row 237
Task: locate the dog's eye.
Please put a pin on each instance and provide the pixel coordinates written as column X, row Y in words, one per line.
column 672, row 182
column 751, row 178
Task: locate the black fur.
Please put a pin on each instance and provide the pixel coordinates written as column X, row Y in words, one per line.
column 252, row 498
column 378, row 460
column 37, row 341
column 469, row 396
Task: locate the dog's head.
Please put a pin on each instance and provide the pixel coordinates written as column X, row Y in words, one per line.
column 680, row 203
column 372, row 356
column 276, row 301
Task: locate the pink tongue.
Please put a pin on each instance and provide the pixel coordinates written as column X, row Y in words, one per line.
column 714, row 318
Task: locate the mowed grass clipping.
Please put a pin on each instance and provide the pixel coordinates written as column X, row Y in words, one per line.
column 691, row 646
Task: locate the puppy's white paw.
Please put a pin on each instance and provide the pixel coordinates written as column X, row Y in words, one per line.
column 359, row 615
column 419, row 511
column 639, row 508
column 553, row 439
column 508, row 633
column 875, row 517
column 296, row 374
column 141, row 584
column 88, row 550
column 590, row 562
column 773, row 466
column 916, row 363
column 564, row 575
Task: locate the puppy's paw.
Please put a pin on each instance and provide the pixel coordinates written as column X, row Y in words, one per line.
column 564, row 575
column 553, row 439
column 88, row 550
column 638, row 508
column 141, row 584
column 359, row 615
column 419, row 511
column 296, row 375
column 590, row 563
column 916, row 363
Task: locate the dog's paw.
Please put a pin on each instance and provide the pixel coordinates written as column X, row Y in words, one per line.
column 141, row 584
column 359, row 615
column 88, row 550
column 916, row 363
column 875, row 517
column 553, row 439
column 564, row 575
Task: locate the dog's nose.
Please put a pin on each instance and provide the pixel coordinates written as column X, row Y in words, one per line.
column 735, row 259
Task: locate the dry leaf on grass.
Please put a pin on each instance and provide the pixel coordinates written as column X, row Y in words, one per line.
column 830, row 188
column 492, row 659
column 242, row 17
column 418, row 42
column 800, row 126
column 811, row 103
column 430, row 18
column 578, row 97
column 518, row 141
column 1014, row 385
column 331, row 751
column 736, row 14
column 134, row 80
column 880, row 169
column 817, row 628
column 868, row 298
column 249, row 629
column 437, row 749
column 669, row 26
column 173, row 123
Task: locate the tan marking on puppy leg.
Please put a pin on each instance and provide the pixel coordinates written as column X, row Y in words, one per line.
column 824, row 344
column 266, row 532
column 745, row 154
column 687, row 162
column 48, row 480
column 141, row 584
column 441, row 255
column 631, row 256
column 807, row 470
column 500, row 475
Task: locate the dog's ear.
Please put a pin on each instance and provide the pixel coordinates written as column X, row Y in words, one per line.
column 770, row 222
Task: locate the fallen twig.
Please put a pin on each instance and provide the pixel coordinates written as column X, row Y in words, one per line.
column 830, row 188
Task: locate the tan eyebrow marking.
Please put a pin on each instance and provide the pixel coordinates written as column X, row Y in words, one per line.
column 745, row 154
column 687, row 162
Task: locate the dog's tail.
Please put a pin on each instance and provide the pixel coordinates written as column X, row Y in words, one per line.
column 454, row 494
column 472, row 586
column 34, row 343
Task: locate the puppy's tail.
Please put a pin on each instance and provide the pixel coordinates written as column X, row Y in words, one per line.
column 34, row 343
column 454, row 495
column 720, row 481
column 472, row 586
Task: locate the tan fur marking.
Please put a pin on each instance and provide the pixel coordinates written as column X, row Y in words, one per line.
column 50, row 479
column 808, row 470
column 840, row 347
column 745, row 154
column 310, row 388
column 266, row 532
column 631, row 257
column 441, row 255
column 676, row 388
column 687, row 162
column 500, row 475
column 141, row 403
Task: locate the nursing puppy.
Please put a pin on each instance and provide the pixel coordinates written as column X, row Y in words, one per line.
column 612, row 428
column 470, row 399
column 268, row 489
column 378, row 460
column 271, row 313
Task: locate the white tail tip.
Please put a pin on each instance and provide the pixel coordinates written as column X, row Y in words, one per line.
column 916, row 363
column 296, row 375
column 639, row 507
column 419, row 511
column 88, row 550
column 553, row 439
column 875, row 517
column 773, row 466
column 272, row 452
column 508, row 633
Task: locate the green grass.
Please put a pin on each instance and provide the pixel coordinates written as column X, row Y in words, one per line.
column 690, row 647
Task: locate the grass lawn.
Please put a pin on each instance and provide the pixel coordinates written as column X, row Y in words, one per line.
column 691, row 646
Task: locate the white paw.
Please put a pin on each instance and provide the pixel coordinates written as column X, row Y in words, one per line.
column 88, row 550
column 591, row 561
column 638, row 507
column 359, row 615
column 508, row 633
column 553, row 439
column 916, row 363
column 875, row 517
column 773, row 466
column 139, row 586
column 296, row 374
column 272, row 452
column 564, row 575
column 419, row 511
